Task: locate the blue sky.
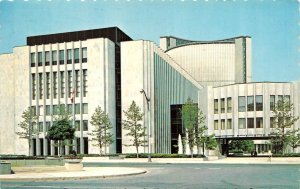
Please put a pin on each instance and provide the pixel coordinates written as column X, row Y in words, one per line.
column 273, row 25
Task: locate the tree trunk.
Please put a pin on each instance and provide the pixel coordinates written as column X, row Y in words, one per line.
column 137, row 151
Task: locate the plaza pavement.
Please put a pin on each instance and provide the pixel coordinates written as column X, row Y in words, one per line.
column 60, row 173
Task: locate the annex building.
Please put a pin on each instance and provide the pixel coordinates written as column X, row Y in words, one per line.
column 106, row 68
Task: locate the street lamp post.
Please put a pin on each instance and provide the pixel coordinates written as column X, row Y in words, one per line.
column 149, row 122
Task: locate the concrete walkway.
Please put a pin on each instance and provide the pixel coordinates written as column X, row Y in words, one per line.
column 60, row 173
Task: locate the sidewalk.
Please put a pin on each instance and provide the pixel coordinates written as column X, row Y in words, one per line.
column 229, row 160
column 60, row 173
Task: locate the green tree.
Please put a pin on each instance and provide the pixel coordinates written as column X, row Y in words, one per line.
column 284, row 121
column 294, row 139
column 243, row 145
column 211, row 142
column 27, row 130
column 62, row 130
column 135, row 128
column 193, row 120
column 101, row 132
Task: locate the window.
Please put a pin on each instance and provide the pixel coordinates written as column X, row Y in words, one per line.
column 40, row 59
column 229, row 105
column 41, row 85
column 77, row 77
column 69, row 84
column 62, row 84
column 32, row 59
column 259, row 122
column 242, row 123
column 216, row 110
column 69, row 56
column 250, row 123
column 85, row 108
column 54, row 57
column 47, row 58
column 33, row 87
column 61, row 57
column 55, row 109
column 259, row 102
column 222, row 105
column 47, row 85
column 48, row 110
column 77, row 108
column 41, row 110
column 48, row 125
column 76, row 55
column 216, row 126
column 272, row 102
column 85, row 125
column 84, row 55
column 242, row 104
column 77, row 125
column 280, row 97
column 250, row 103
column 33, row 109
column 223, row 124
column 287, row 99
column 40, row 127
column 229, row 123
column 84, row 83
column 70, row 108
column 54, row 85
column 272, row 122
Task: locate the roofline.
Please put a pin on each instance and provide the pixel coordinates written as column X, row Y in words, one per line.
column 232, row 38
column 253, row 83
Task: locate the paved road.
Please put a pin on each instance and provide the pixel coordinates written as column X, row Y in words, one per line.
column 186, row 176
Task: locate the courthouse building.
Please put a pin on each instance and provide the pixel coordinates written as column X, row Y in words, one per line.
column 106, row 68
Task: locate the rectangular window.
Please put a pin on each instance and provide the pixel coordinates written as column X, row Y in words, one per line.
column 250, row 123
column 259, row 102
column 77, row 108
column 85, row 108
column 287, row 99
column 47, row 58
column 32, row 59
column 55, row 85
column 41, row 85
column 77, row 77
column 69, row 56
column 84, row 55
column 62, row 84
column 216, row 126
column 33, row 86
column 272, row 122
column 48, row 125
column 216, row 110
column 242, row 104
column 48, row 110
column 55, row 109
column 69, row 84
column 85, row 125
column 222, row 105
column 54, row 57
column 40, row 126
column 70, row 108
column 250, row 103
column 76, row 55
column 61, row 57
column 223, row 124
column 280, row 98
column 47, row 85
column 77, row 125
column 259, row 122
column 242, row 123
column 229, row 123
column 41, row 110
column 85, row 91
column 33, row 109
column 229, row 105
column 272, row 102
column 40, row 59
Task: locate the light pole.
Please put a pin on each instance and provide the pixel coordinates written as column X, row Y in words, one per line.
column 149, row 121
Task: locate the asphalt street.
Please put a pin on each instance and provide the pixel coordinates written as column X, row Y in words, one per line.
column 188, row 176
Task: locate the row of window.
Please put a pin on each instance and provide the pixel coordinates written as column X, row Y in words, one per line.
column 71, row 54
column 242, row 123
column 40, row 126
column 247, row 103
column 66, row 82
column 55, row 109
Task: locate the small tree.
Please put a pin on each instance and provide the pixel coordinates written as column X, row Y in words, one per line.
column 244, row 145
column 102, row 126
column 284, row 120
column 132, row 124
column 294, row 140
column 62, row 128
column 29, row 118
column 211, row 142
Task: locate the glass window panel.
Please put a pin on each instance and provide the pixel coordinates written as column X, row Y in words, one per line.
column 69, row 56
column 242, row 123
column 229, row 105
column 47, row 58
column 77, row 108
column 222, row 105
column 216, row 126
column 242, row 104
column 223, row 124
column 259, row 102
column 84, row 55
column 280, row 97
column 61, row 57
column 77, row 125
column 32, row 59
column 40, row 59
column 272, row 102
column 287, row 99
column 250, row 123
column 216, row 110
column 85, row 125
column 229, row 123
column 272, row 122
column 76, row 55
column 48, row 110
column 85, row 108
column 250, row 103
column 259, row 122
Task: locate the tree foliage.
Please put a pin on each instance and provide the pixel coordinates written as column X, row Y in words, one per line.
column 27, row 130
column 243, row 145
column 101, row 132
column 284, row 121
column 136, row 129
column 211, row 142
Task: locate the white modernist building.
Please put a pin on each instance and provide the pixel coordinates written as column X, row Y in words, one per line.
column 106, row 68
